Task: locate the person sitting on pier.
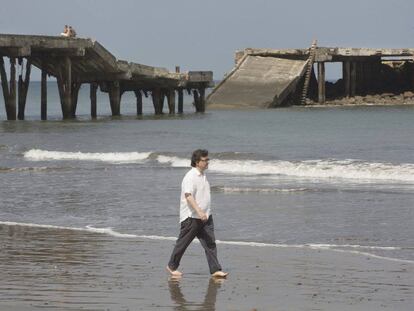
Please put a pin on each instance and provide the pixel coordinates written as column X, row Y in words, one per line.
column 65, row 32
column 72, row 32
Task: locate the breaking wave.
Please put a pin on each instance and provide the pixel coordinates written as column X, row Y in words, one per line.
column 344, row 169
column 115, row 157
column 311, row 169
column 256, row 190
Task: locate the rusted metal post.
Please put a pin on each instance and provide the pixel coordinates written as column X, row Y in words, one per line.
column 43, row 95
column 321, row 82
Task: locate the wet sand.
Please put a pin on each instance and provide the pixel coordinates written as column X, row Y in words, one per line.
column 58, row 269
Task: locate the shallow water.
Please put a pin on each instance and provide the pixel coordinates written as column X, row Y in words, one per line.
column 336, row 178
column 67, row 269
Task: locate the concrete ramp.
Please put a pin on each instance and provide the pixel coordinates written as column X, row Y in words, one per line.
column 258, row 81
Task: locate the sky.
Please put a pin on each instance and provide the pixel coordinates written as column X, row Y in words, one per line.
column 203, row 35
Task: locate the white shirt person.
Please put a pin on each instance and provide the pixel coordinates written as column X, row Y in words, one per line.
column 195, row 216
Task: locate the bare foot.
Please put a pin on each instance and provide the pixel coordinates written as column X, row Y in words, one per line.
column 218, row 281
column 219, row 274
column 174, row 273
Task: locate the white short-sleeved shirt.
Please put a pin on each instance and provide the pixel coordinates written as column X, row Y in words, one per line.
column 196, row 183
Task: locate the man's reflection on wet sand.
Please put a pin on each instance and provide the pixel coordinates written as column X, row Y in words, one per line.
column 209, row 303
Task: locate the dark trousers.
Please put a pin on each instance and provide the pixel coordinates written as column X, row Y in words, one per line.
column 191, row 228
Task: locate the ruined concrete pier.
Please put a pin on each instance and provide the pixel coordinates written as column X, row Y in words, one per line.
column 76, row 61
column 270, row 78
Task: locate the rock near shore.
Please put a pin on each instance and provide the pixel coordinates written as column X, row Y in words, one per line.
column 406, row 98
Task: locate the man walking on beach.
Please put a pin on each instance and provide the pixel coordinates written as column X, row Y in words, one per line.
column 195, row 216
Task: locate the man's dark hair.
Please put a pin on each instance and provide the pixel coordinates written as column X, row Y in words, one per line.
column 197, row 155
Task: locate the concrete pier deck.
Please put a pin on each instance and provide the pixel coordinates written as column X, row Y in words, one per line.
column 277, row 77
column 74, row 61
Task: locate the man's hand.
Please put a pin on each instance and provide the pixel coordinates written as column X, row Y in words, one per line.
column 203, row 216
column 194, row 205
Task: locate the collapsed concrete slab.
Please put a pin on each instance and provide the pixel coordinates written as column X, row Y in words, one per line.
column 258, row 81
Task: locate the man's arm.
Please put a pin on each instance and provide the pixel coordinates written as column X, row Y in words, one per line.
column 195, row 207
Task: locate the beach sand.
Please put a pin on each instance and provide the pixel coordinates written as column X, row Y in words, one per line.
column 57, row 269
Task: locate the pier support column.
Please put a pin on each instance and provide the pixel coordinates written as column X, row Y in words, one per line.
column 157, row 97
column 412, row 79
column 115, row 98
column 12, row 94
column 43, row 95
column 360, row 79
column 92, row 96
column 346, row 76
column 196, row 97
column 67, row 83
column 321, row 82
column 377, row 77
column 9, row 89
column 4, row 85
column 75, row 92
column 10, row 106
column 199, row 99
column 368, row 76
column 180, row 100
column 162, row 100
column 64, row 81
column 202, row 92
column 171, row 101
column 353, row 78
column 23, row 87
column 138, row 96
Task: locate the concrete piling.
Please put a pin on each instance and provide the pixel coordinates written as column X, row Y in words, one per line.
column 92, row 96
column 138, row 96
column 321, row 82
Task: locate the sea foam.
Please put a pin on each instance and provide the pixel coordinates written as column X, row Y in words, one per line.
column 312, row 169
column 309, row 169
column 114, row 157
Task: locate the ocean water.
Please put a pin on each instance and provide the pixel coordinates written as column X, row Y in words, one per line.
column 336, row 179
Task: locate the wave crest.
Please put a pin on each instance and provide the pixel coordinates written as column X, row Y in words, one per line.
column 115, row 157
column 311, row 169
column 256, row 190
